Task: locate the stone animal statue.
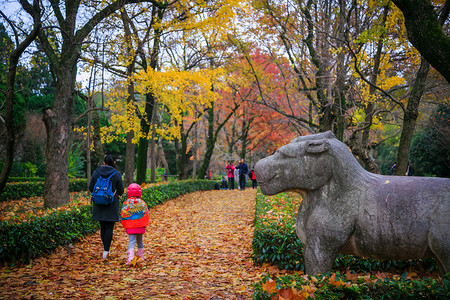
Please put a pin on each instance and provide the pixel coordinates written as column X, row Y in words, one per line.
column 347, row 210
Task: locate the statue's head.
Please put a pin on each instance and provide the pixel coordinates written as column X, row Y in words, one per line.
column 303, row 165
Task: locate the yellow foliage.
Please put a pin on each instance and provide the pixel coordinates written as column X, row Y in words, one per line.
column 359, row 115
column 181, row 92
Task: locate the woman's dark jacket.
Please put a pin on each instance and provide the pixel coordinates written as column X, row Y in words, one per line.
column 107, row 212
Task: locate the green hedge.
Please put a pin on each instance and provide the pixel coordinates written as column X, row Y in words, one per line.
column 41, row 235
column 27, row 240
column 19, row 190
column 275, row 240
column 327, row 287
column 25, row 179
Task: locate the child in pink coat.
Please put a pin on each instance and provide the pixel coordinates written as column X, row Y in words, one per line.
column 134, row 215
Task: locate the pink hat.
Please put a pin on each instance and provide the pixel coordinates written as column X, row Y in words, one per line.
column 134, row 190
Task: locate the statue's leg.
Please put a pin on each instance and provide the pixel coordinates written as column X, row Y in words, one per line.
column 319, row 257
column 439, row 243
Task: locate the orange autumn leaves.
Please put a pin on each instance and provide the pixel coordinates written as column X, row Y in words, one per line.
column 197, row 246
column 300, row 286
column 22, row 210
column 292, row 293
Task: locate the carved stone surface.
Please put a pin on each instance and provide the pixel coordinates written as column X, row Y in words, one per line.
column 348, row 210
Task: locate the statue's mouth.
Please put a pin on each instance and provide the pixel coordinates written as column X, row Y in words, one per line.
column 266, row 180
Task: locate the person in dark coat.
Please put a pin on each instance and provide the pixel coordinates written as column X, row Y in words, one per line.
column 107, row 215
column 243, row 170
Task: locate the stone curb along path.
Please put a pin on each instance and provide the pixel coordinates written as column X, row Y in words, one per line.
column 198, row 246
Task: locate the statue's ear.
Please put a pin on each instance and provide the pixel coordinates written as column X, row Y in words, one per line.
column 290, row 150
column 316, row 147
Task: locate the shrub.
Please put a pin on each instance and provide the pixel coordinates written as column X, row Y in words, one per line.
column 336, row 286
column 18, row 190
column 26, row 179
column 274, row 239
column 27, row 240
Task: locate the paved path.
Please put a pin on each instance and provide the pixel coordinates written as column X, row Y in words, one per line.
column 198, row 246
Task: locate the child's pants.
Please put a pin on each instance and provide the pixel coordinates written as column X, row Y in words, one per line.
column 132, row 241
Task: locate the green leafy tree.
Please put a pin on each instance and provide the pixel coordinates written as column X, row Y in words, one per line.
column 11, row 114
column 76, row 161
column 430, row 149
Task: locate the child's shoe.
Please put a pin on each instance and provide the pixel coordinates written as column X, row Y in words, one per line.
column 130, row 256
column 141, row 253
column 105, row 254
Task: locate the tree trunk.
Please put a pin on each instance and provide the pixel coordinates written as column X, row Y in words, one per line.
column 57, row 122
column 141, row 161
column 162, row 156
column 426, row 34
column 182, row 158
column 244, row 136
column 9, row 122
column 341, row 73
column 129, row 159
column 362, row 148
column 141, row 164
column 362, row 153
column 9, row 97
column 88, row 145
column 130, row 149
column 194, row 152
column 210, row 143
column 90, row 104
column 99, row 153
column 212, row 138
column 410, row 118
column 152, row 160
column 153, row 153
column 181, row 147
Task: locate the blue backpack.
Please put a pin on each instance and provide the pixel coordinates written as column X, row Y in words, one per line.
column 103, row 193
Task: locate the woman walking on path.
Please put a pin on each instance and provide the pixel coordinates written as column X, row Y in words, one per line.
column 230, row 169
column 107, row 215
column 135, row 218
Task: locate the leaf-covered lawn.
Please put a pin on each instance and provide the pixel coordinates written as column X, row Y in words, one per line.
column 198, row 246
column 17, row 211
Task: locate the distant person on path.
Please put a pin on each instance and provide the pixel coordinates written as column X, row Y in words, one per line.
column 230, row 169
column 223, row 182
column 134, row 215
column 409, row 170
column 392, row 169
column 236, row 177
column 107, row 215
column 209, row 175
column 243, row 170
column 253, row 178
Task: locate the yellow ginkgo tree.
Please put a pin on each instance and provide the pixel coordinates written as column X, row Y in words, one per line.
column 182, row 94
